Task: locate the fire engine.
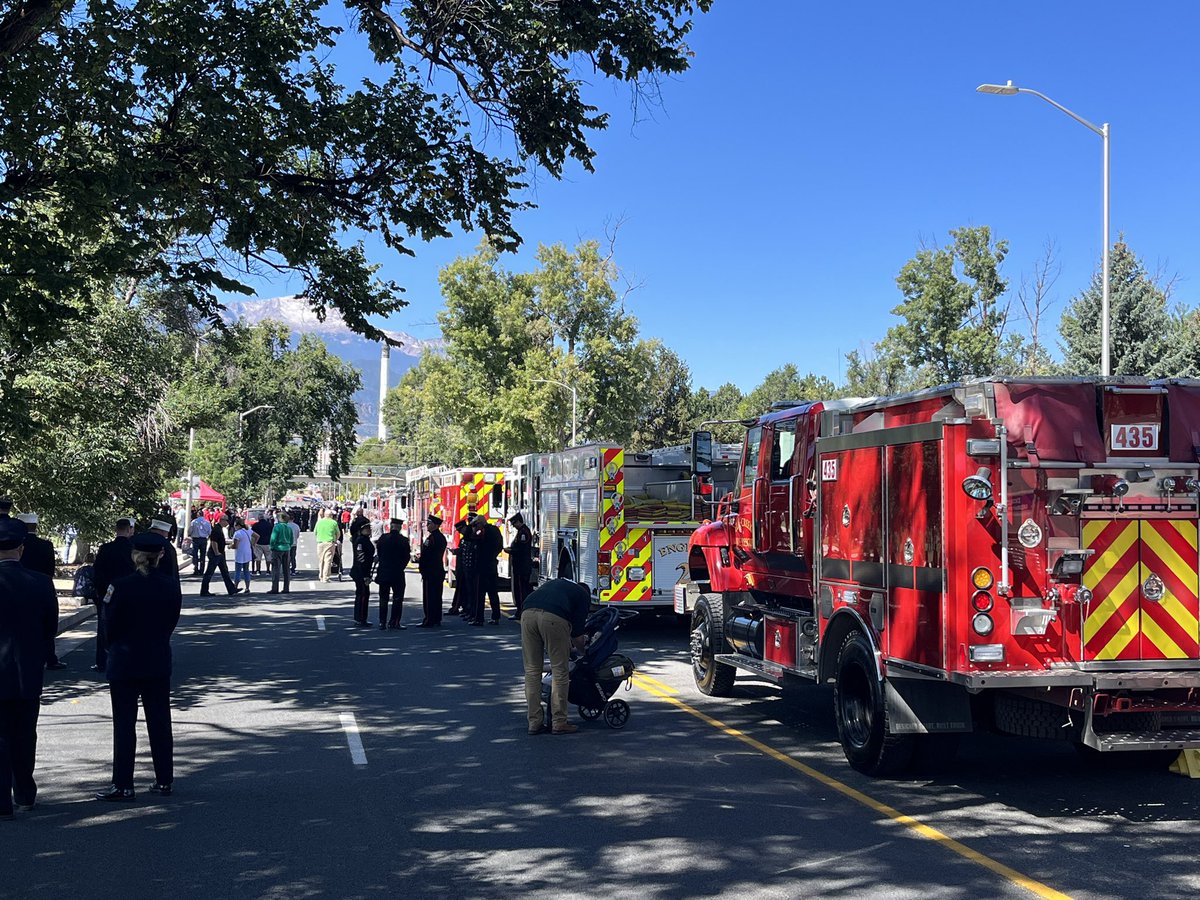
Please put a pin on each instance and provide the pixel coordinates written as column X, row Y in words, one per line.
column 1018, row 555
column 452, row 495
column 619, row 521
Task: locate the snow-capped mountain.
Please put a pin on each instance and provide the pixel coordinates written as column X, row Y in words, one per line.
column 295, row 313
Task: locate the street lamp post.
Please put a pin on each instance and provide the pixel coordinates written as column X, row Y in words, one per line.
column 574, row 400
column 1102, row 130
column 242, row 415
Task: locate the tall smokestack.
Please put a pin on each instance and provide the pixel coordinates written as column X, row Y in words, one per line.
column 384, row 357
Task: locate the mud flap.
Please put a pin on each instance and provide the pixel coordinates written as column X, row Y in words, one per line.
column 916, row 706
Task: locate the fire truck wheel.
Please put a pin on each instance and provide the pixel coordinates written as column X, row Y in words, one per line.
column 708, row 639
column 862, row 714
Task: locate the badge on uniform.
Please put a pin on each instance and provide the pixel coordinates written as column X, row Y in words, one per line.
column 108, row 594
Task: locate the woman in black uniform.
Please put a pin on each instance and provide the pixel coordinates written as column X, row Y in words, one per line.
column 141, row 611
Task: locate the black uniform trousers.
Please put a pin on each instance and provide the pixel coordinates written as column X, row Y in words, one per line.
column 155, row 694
column 520, row 586
column 487, row 585
column 217, row 562
column 362, row 598
column 397, row 589
column 18, row 749
column 101, row 639
column 431, row 596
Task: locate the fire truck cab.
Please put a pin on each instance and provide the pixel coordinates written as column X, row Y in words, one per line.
column 1010, row 554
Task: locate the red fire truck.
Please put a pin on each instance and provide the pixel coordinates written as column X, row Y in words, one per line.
column 452, row 495
column 1018, row 555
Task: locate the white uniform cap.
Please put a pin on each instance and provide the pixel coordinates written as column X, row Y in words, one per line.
column 28, row 518
column 162, row 524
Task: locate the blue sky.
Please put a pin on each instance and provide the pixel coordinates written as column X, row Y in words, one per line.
column 770, row 201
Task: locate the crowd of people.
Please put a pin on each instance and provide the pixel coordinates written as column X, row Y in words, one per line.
column 134, row 580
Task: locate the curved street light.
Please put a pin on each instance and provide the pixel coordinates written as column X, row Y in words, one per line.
column 1102, row 130
column 574, row 399
column 254, row 409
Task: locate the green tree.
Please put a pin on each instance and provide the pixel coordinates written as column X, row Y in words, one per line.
column 308, row 393
column 953, row 325
column 1146, row 337
column 374, row 452
column 513, row 340
column 98, row 435
column 786, row 384
column 197, row 142
column 723, row 404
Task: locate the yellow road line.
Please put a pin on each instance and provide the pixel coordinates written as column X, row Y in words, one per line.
column 926, row 831
column 652, row 683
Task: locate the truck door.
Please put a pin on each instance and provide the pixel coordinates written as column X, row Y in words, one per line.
column 1145, row 589
column 778, row 537
column 749, row 523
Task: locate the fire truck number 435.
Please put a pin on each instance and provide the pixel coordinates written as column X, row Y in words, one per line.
column 1134, row 437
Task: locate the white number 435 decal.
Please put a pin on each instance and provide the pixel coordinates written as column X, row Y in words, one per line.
column 1134, row 437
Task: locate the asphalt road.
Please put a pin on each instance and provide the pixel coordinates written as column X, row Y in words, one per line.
column 449, row 797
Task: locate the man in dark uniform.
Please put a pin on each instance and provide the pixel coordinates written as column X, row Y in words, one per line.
column 392, row 552
column 113, row 560
column 520, row 561
column 470, row 555
column 28, row 621
column 39, row 556
column 458, row 602
column 491, row 545
column 431, row 564
column 169, row 564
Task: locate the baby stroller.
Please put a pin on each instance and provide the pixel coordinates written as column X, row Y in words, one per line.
column 597, row 672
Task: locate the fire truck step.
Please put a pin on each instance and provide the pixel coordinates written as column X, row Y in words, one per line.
column 1174, row 739
column 758, row 667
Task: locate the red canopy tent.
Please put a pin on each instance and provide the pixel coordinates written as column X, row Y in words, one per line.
column 206, row 494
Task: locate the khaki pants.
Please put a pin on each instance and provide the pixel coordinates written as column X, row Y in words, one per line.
column 545, row 634
column 324, row 560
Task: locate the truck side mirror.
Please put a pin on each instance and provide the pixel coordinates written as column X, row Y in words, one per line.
column 702, row 453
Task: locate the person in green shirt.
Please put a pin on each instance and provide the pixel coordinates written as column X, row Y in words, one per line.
column 282, row 540
column 326, row 533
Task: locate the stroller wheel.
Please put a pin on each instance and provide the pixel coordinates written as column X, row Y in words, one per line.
column 590, row 712
column 616, row 713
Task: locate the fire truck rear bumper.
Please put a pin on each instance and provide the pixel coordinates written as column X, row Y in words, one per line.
column 1100, row 681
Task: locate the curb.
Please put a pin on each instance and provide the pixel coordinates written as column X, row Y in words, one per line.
column 67, row 622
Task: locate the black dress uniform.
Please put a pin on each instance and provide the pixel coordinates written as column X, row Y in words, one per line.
column 520, row 561
column 28, row 621
column 393, row 552
column 467, row 573
column 364, row 556
column 491, row 545
column 113, row 560
column 142, row 612
column 39, row 556
column 432, row 567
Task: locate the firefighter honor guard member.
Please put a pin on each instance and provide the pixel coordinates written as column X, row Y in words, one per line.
column 39, row 555
column 431, row 564
column 520, row 561
column 393, row 553
column 142, row 611
column 555, row 616
column 363, row 552
column 491, row 545
column 113, row 560
column 169, row 564
column 28, row 621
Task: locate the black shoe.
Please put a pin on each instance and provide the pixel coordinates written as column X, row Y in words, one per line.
column 163, row 790
column 383, row 627
column 206, row 593
column 273, row 591
column 57, row 664
column 236, row 590
column 476, row 622
column 96, row 668
column 25, row 807
column 515, row 618
column 116, row 794
column 494, row 622
column 400, row 627
column 425, row 624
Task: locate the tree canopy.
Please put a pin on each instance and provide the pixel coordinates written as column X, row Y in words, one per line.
column 199, row 142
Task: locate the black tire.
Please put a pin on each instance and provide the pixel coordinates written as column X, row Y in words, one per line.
column 861, row 713
column 708, row 639
column 616, row 713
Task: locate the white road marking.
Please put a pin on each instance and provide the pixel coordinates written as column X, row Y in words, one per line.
column 312, row 586
column 357, row 754
column 320, row 623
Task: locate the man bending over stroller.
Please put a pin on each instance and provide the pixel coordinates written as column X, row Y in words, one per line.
column 553, row 617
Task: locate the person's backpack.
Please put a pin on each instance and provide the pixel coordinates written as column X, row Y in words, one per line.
column 85, row 584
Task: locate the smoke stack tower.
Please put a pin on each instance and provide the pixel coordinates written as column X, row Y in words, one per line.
column 384, row 358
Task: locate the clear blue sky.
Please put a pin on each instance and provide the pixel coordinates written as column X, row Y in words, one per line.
column 770, row 201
